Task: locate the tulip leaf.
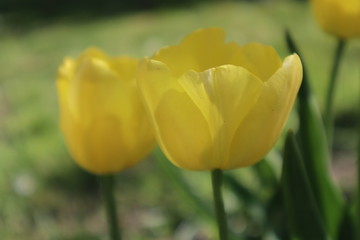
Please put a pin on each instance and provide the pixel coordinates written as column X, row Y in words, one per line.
column 357, row 201
column 276, row 215
column 182, row 187
column 301, row 208
column 315, row 151
column 347, row 228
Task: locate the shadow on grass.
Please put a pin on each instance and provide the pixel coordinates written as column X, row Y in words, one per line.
column 75, row 181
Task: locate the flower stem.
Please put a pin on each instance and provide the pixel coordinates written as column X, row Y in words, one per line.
column 357, row 214
column 329, row 107
column 216, row 179
column 107, row 184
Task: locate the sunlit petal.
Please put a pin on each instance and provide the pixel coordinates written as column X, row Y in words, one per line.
column 261, row 128
column 175, row 117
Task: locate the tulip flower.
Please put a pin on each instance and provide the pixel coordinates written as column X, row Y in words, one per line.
column 216, row 105
column 338, row 17
column 102, row 117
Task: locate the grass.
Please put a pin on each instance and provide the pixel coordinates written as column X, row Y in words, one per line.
column 43, row 194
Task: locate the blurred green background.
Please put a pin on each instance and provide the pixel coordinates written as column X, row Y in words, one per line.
column 44, row 195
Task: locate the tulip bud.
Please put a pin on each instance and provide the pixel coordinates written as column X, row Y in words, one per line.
column 338, row 17
column 102, row 117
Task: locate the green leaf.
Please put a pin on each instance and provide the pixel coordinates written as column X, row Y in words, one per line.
column 357, row 201
column 304, row 216
column 348, row 229
column 315, row 152
column 276, row 215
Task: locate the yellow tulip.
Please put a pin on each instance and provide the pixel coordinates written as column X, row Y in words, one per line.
column 216, row 105
column 338, row 17
column 102, row 117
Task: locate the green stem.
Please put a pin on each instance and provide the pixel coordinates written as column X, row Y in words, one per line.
column 216, row 179
column 107, row 184
column 329, row 104
column 357, row 207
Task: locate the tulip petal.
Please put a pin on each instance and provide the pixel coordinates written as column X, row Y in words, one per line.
column 259, row 131
column 98, row 89
column 65, row 73
column 225, row 95
column 88, row 89
column 201, row 50
column 205, row 48
column 125, row 67
column 262, row 61
column 68, row 69
column 180, row 127
column 87, row 145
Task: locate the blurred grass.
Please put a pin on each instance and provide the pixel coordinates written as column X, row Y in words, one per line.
column 43, row 194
